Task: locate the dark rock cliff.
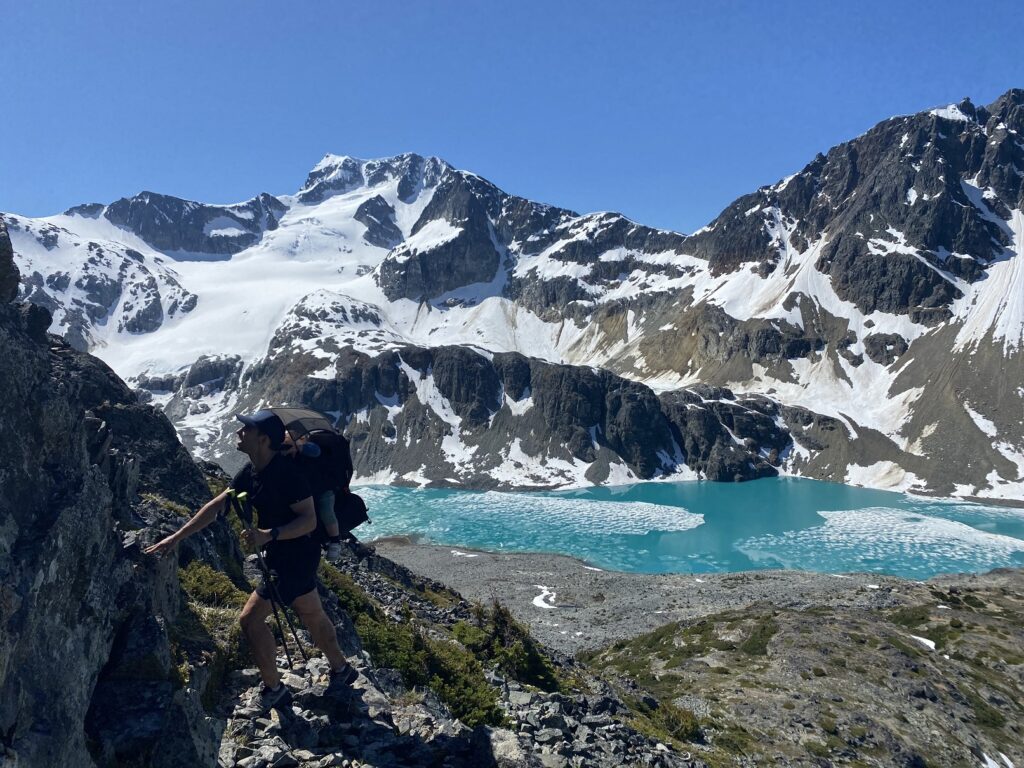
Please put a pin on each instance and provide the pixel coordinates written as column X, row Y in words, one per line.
column 85, row 661
column 452, row 416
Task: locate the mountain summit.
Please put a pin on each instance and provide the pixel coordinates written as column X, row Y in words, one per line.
column 860, row 321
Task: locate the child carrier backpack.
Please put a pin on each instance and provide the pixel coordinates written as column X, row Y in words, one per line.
column 332, row 469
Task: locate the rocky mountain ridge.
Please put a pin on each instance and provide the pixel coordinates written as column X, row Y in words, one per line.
column 878, row 290
column 151, row 667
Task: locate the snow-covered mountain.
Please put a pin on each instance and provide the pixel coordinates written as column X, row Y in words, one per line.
column 861, row 320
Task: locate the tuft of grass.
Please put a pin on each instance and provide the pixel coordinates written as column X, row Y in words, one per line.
column 210, row 587
column 209, row 636
column 756, row 643
column 170, row 506
column 902, row 647
column 665, row 722
column 216, row 484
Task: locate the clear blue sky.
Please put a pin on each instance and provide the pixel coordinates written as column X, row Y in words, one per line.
column 665, row 111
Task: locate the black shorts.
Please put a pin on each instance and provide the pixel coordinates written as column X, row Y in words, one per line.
column 293, row 565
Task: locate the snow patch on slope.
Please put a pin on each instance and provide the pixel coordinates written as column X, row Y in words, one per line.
column 995, row 304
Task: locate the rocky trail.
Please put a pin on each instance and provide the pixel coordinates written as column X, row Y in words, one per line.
column 381, row 721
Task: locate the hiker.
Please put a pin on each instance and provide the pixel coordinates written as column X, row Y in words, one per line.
column 286, row 517
column 319, row 464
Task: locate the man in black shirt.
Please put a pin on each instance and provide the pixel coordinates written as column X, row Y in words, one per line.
column 286, row 517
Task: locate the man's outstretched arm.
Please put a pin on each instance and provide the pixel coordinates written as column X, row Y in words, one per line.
column 199, row 520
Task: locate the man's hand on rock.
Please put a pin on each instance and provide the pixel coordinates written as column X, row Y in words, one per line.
column 162, row 546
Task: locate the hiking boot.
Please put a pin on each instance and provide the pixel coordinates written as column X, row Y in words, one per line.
column 341, row 678
column 272, row 698
column 333, row 551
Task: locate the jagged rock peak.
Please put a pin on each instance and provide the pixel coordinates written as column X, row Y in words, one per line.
column 337, row 174
column 170, row 203
column 1014, row 97
column 174, row 224
column 1008, row 109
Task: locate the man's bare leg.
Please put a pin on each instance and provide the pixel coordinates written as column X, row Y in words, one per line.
column 261, row 639
column 315, row 619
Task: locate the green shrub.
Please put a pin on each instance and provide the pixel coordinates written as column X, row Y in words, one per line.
column 451, row 671
column 757, row 642
column 910, row 617
column 500, row 639
column 974, row 602
column 352, row 599
column 816, row 748
column 986, row 715
column 665, row 722
column 210, row 587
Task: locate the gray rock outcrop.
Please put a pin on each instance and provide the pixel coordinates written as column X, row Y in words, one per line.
column 379, row 217
column 9, row 276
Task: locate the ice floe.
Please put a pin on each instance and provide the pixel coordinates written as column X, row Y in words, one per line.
column 872, row 538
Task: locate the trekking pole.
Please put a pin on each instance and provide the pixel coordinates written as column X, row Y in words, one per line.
column 246, row 517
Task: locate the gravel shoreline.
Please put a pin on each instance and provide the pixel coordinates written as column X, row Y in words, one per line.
column 572, row 606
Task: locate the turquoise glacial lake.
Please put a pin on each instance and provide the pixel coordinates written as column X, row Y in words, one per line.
column 705, row 527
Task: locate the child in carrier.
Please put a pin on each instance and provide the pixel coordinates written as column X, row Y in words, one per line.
column 327, row 464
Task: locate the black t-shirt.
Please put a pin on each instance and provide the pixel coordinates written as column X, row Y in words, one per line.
column 272, row 492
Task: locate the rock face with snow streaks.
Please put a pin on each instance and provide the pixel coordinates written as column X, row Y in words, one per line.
column 451, row 416
column 9, row 276
column 91, row 284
